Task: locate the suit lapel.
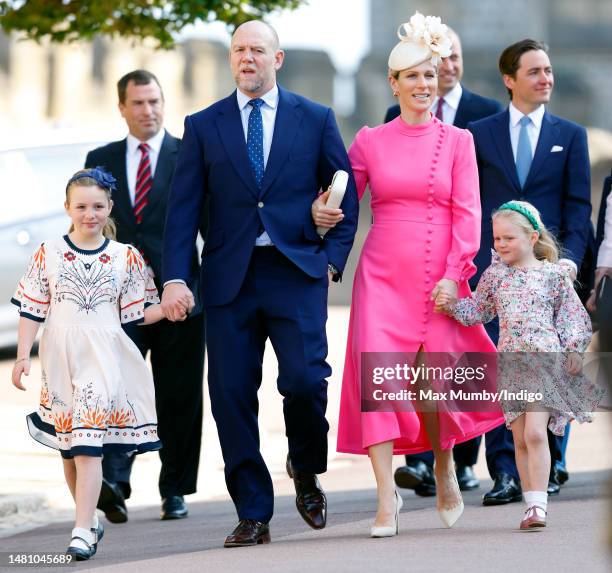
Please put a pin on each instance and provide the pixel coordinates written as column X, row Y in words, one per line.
column 229, row 125
column 163, row 172
column 286, row 125
column 121, row 198
column 500, row 131
column 549, row 133
column 464, row 104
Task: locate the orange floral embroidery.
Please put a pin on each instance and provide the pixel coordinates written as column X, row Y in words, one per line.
column 63, row 422
column 120, row 418
column 45, row 400
column 94, row 418
column 134, row 260
column 39, row 258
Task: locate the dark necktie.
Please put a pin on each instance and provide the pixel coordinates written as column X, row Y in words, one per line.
column 255, row 140
column 144, row 181
column 440, row 110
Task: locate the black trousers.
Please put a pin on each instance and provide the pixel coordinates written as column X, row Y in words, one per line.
column 177, row 360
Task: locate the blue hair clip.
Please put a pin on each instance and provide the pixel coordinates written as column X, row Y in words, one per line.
column 103, row 178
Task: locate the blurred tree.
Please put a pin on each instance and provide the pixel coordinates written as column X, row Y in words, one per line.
column 66, row 21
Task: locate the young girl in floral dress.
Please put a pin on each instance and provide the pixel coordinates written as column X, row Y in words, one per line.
column 97, row 393
column 544, row 330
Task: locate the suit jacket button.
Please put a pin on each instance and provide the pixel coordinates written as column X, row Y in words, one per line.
column 260, row 204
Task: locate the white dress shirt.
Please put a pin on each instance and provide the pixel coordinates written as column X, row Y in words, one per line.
column 450, row 105
column 533, row 128
column 268, row 118
column 533, row 132
column 133, row 156
column 604, row 257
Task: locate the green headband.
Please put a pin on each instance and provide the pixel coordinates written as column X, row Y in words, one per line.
column 514, row 206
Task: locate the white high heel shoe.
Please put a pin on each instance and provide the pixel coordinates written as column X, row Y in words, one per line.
column 389, row 530
column 450, row 515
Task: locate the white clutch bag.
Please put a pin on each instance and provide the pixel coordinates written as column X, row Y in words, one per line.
column 338, row 188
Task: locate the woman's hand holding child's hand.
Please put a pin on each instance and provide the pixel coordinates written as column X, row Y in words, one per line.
column 444, row 296
column 443, row 303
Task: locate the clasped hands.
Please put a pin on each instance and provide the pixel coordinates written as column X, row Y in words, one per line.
column 177, row 302
column 444, row 296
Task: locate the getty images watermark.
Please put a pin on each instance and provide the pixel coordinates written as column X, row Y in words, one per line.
column 478, row 381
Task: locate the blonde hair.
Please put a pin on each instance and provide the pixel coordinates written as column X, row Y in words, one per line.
column 546, row 247
column 110, row 228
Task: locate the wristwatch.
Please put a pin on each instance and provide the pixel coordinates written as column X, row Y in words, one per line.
column 334, row 272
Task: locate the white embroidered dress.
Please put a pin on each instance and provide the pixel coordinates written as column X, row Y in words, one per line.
column 97, row 392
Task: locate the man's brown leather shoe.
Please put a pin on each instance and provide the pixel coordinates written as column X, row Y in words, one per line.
column 248, row 532
column 310, row 498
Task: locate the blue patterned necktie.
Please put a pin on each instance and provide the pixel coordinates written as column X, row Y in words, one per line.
column 523, row 151
column 255, row 140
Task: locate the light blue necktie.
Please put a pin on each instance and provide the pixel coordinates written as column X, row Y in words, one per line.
column 255, row 140
column 523, row 151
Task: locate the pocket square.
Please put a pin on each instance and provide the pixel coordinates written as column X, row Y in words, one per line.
column 556, row 148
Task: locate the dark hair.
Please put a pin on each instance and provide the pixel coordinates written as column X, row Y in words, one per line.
column 140, row 78
column 509, row 61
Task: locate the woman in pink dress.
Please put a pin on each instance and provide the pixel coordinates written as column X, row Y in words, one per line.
column 423, row 180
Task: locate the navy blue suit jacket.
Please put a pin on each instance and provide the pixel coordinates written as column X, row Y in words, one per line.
column 306, row 151
column 471, row 108
column 558, row 183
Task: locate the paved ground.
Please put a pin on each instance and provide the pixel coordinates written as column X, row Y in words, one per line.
column 485, row 539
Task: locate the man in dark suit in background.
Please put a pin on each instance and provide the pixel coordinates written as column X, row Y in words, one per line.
column 526, row 153
column 143, row 165
column 457, row 106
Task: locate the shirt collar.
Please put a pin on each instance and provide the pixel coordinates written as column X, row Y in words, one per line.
column 270, row 98
column 536, row 116
column 154, row 143
column 452, row 97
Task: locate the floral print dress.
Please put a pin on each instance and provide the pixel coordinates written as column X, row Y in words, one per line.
column 97, row 392
column 541, row 319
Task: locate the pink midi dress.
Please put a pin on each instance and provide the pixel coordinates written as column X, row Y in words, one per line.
column 423, row 181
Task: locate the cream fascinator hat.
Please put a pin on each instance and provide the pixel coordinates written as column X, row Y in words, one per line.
column 423, row 38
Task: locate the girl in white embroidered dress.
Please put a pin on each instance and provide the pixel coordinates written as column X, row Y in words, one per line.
column 97, row 392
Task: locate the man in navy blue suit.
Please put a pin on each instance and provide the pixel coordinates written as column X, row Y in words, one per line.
column 458, row 106
column 529, row 154
column 260, row 156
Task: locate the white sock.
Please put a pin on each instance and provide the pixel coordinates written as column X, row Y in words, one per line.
column 85, row 534
column 528, row 497
column 94, row 521
column 540, row 498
